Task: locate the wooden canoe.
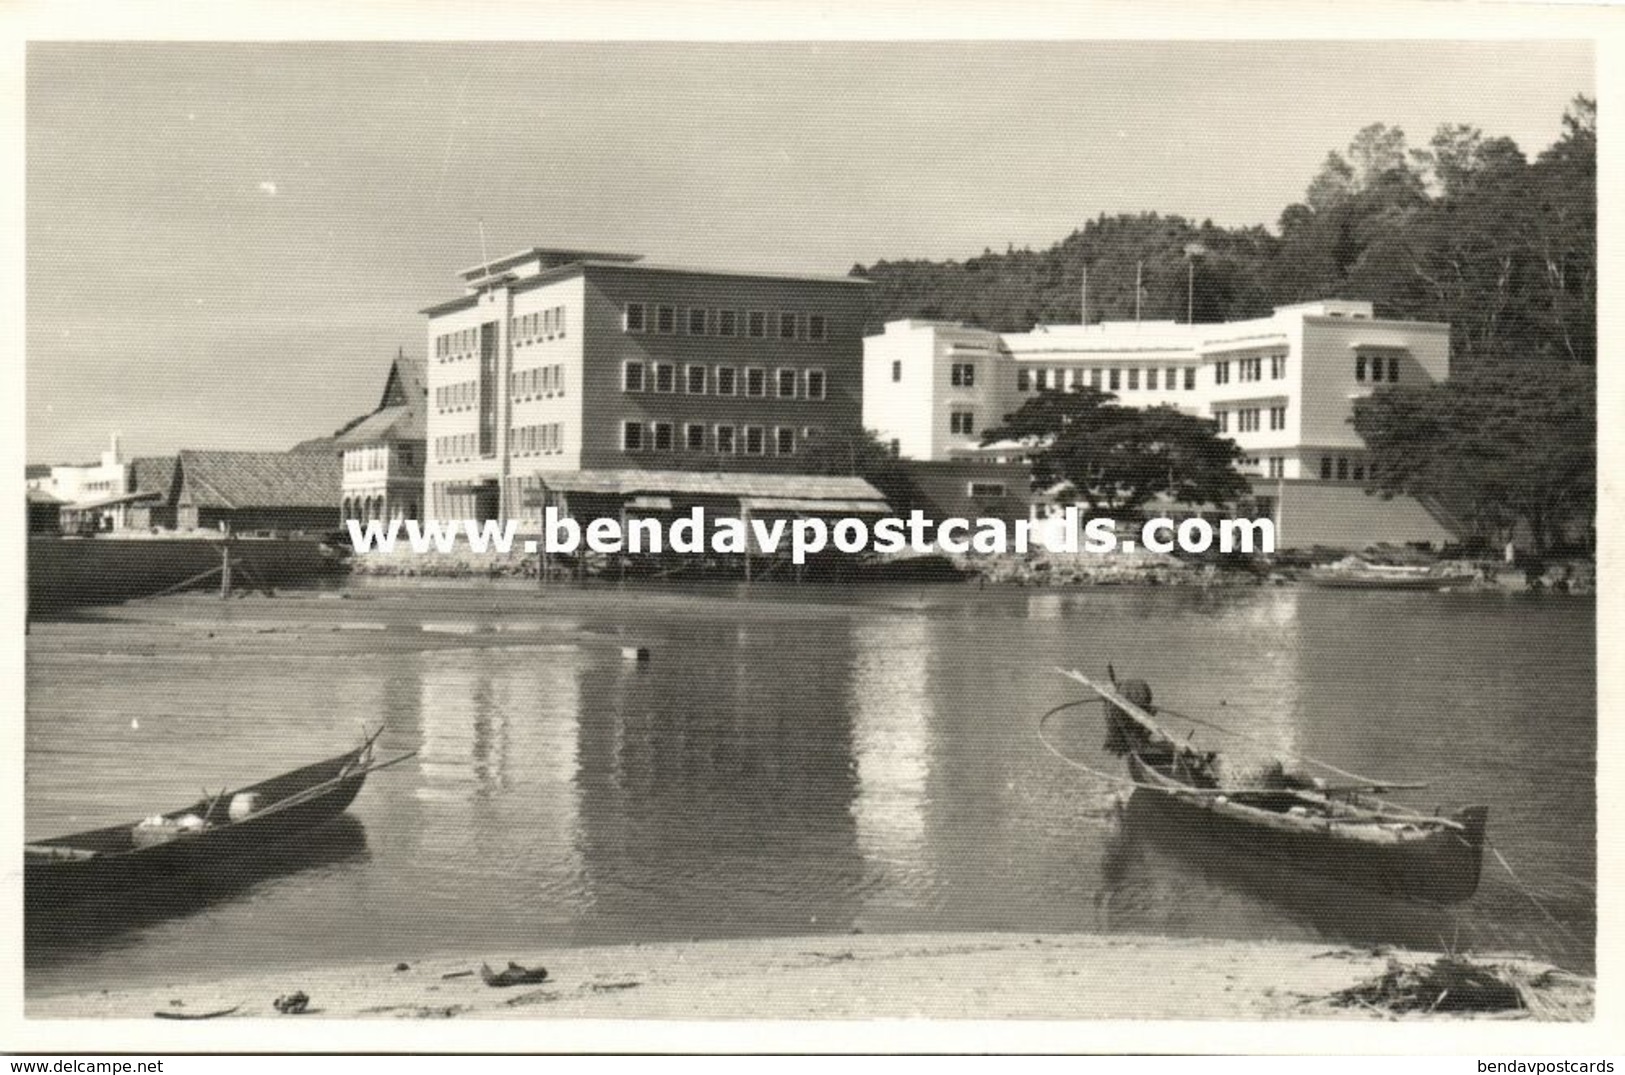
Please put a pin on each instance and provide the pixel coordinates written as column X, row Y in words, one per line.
column 64, row 870
column 1337, row 833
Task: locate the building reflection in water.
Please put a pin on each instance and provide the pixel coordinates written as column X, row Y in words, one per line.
column 716, row 785
column 891, row 702
column 499, row 758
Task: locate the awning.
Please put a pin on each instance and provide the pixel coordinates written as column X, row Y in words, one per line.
column 111, row 501
column 814, row 507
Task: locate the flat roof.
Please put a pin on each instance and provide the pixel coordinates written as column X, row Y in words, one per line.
column 564, row 272
column 556, row 255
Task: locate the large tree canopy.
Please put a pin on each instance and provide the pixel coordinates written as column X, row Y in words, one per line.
column 1498, row 447
column 1117, row 457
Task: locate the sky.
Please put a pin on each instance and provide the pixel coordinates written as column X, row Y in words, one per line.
column 227, row 244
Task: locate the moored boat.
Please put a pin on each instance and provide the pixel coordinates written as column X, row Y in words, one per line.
column 209, row 832
column 1367, row 576
column 1343, row 831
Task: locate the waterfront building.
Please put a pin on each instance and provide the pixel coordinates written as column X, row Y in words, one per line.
column 382, row 453
column 247, row 492
column 562, row 361
column 1282, row 387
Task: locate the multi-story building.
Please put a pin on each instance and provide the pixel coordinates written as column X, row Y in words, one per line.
column 561, row 361
column 1282, row 387
column 382, row 453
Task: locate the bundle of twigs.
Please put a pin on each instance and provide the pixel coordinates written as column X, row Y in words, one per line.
column 1452, row 983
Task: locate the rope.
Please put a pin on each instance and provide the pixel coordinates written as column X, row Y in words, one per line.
column 1043, row 720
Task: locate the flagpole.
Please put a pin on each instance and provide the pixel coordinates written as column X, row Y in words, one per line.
column 1139, row 267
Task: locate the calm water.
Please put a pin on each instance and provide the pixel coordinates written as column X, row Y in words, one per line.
column 816, row 761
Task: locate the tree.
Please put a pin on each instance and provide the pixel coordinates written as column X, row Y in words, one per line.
column 1498, row 447
column 1117, row 458
column 858, row 453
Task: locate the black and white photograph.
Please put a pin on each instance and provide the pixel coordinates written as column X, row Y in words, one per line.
column 809, row 528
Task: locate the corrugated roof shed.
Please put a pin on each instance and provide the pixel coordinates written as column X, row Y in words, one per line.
column 261, row 479
column 711, row 483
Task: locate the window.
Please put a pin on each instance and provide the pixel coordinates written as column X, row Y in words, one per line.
column 1250, row 369
column 1278, row 417
column 726, row 442
column 817, row 328
column 1393, row 369
column 696, row 381
column 1151, row 379
column 755, row 440
column 665, row 377
column 696, row 322
column 1223, row 418
column 987, row 489
column 632, row 377
column 1221, row 372
column 1277, row 467
column 897, row 372
column 632, row 436
column 1095, row 376
column 1134, row 379
column 1041, row 377
column 962, row 375
column 558, row 380
column 1116, row 380
column 784, row 441
column 694, row 437
column 1342, row 468
column 787, row 384
column 665, row 320
column 1190, row 378
column 1277, row 367
column 1359, row 472
column 755, row 383
column 727, row 381
column 1247, row 420
column 727, row 323
column 815, row 384
column 1024, row 380
column 1325, row 468
column 1359, row 367
column 756, row 325
column 1170, row 377
column 663, row 436
column 788, row 323
column 962, row 423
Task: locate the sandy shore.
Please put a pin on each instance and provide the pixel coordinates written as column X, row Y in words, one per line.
column 978, row 976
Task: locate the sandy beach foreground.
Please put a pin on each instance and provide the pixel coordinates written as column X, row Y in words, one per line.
column 974, row 976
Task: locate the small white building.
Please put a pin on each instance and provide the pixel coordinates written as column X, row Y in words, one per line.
column 1282, row 387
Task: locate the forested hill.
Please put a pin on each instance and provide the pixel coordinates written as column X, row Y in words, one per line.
column 1468, row 230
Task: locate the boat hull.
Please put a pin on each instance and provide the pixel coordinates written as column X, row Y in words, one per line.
column 1333, row 581
column 1442, row 866
column 52, row 883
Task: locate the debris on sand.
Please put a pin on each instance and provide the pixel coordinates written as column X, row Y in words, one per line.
column 515, row 974
column 1459, row 985
column 292, row 1004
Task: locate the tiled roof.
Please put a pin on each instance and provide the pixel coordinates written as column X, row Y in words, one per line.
column 152, row 474
column 407, row 383
column 390, row 423
column 261, row 479
column 711, row 483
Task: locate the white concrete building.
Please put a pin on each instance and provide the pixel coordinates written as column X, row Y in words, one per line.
column 1283, row 387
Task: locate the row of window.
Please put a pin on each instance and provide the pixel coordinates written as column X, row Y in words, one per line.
column 785, row 383
column 377, row 457
column 1276, row 466
column 457, row 397
column 1341, row 468
column 1250, row 369
column 542, row 382
column 786, row 325
column 1374, row 364
column 457, row 448
column 1104, row 380
column 544, row 439
column 720, row 439
column 542, row 325
column 454, row 345
column 1248, row 418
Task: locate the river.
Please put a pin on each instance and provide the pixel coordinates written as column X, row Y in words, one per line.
column 791, row 761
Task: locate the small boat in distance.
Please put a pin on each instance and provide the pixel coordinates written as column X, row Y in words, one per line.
column 208, row 832
column 1337, row 831
column 1356, row 574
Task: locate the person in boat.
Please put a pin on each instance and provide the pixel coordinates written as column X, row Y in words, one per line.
column 1126, row 735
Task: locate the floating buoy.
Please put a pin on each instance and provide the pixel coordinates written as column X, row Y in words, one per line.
column 640, row 654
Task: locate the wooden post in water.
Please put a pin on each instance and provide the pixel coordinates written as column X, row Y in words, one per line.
column 225, row 567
